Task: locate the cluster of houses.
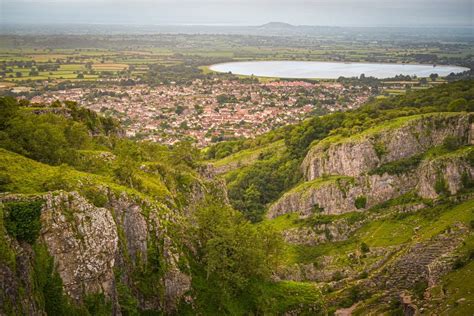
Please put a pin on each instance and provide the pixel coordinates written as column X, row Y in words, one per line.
column 211, row 112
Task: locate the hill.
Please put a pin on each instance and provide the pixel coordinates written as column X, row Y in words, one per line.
column 277, row 25
column 370, row 210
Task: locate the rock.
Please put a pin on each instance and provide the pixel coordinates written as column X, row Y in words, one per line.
column 409, row 309
column 83, row 241
column 337, row 195
column 401, row 138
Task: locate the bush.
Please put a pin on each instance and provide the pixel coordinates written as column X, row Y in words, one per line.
column 466, row 181
column 419, row 288
column 4, row 180
column 364, row 275
column 23, row 220
column 380, row 149
column 95, row 196
column 470, row 158
column 98, row 305
column 458, row 105
column 441, row 187
column 399, row 166
column 360, row 202
column 459, row 263
column 364, row 247
column 338, row 275
column 452, row 143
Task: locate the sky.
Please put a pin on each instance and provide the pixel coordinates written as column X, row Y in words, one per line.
column 241, row 12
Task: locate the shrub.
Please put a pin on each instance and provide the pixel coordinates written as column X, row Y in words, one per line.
column 23, row 220
column 452, row 143
column 355, row 217
column 95, row 196
column 399, row 166
column 364, row 247
column 466, row 181
column 380, row 149
column 4, row 180
column 364, row 275
column 470, row 158
column 458, row 105
column 97, row 304
column 459, row 263
column 419, row 288
column 360, row 202
column 337, row 276
column 441, row 186
column 317, row 209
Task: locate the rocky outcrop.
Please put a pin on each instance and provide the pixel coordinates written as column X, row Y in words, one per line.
column 96, row 248
column 408, row 307
column 471, row 135
column 339, row 196
column 445, row 174
column 83, row 241
column 417, row 263
column 337, row 230
column 397, row 139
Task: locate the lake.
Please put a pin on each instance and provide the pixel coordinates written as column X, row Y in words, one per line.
column 331, row 70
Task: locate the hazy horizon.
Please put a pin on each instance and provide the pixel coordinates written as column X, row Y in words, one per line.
column 366, row 13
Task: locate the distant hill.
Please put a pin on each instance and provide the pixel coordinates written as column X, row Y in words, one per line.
column 277, row 25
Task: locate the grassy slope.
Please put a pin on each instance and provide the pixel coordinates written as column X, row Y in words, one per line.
column 385, row 126
column 384, row 232
column 31, row 177
column 247, row 156
column 458, row 297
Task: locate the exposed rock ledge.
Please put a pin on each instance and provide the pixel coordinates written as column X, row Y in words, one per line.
column 337, row 195
column 89, row 244
column 397, row 139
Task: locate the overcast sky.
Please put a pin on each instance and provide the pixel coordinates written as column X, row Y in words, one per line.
column 242, row 12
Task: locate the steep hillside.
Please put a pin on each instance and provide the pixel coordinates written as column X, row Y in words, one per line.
column 381, row 216
column 124, row 228
column 365, row 212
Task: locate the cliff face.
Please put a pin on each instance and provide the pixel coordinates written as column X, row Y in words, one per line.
column 97, row 248
column 114, row 243
column 83, row 241
column 339, row 195
column 401, row 138
column 354, row 182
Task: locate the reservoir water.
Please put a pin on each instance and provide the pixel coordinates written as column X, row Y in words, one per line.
column 331, row 70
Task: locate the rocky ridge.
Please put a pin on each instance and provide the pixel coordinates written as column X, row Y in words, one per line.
column 338, row 193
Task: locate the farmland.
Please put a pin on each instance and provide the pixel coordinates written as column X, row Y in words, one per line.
column 161, row 88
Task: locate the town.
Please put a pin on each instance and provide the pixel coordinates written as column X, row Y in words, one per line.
column 212, row 111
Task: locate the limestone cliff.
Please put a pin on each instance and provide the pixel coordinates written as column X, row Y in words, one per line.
column 360, row 179
column 398, row 139
column 96, row 248
column 115, row 242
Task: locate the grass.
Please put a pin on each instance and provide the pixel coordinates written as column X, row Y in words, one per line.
column 386, row 232
column 282, row 222
column 317, row 183
column 31, row 177
column 282, row 297
column 383, row 127
column 453, row 295
column 248, row 156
